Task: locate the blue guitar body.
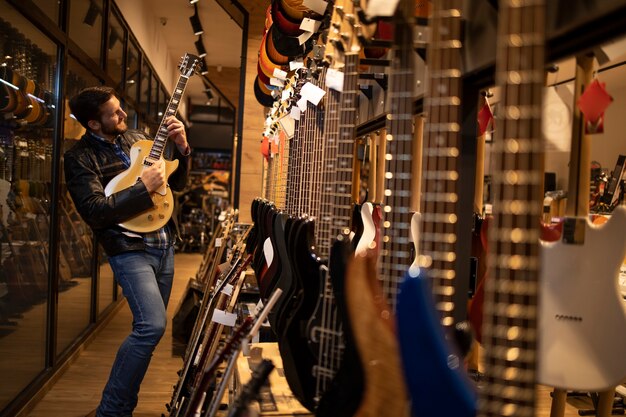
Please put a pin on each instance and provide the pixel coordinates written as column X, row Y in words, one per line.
column 433, row 372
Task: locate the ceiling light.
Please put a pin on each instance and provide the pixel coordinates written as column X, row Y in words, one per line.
column 200, row 48
column 204, row 69
column 193, row 1
column 92, row 14
column 209, row 94
column 195, row 23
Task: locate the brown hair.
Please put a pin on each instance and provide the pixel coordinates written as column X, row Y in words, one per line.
column 85, row 105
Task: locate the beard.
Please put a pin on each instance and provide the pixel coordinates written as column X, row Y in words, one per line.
column 115, row 130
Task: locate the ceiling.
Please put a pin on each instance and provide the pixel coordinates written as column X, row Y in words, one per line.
column 221, row 39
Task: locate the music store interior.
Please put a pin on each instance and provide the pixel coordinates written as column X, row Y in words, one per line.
column 393, row 208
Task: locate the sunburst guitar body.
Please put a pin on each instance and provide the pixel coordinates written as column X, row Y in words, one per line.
column 157, row 216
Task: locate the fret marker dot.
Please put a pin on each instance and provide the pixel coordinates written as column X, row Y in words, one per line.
column 512, row 354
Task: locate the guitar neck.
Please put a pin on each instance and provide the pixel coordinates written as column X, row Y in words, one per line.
column 440, row 185
column 580, row 155
column 395, row 247
column 342, row 191
column 510, row 330
column 160, row 140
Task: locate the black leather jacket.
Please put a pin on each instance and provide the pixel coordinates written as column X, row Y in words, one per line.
column 89, row 165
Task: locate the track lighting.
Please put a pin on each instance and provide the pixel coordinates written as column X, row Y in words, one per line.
column 195, row 22
column 92, row 14
column 193, row 1
column 204, row 70
column 200, row 48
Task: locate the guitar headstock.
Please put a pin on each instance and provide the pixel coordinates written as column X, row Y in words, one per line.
column 342, row 33
column 189, row 65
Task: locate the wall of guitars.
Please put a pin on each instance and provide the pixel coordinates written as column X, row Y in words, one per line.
column 373, row 223
column 55, row 282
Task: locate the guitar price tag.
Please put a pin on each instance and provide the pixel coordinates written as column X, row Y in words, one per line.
column 223, row 317
column 228, row 289
column 318, row 6
column 295, row 64
column 218, row 242
column 312, row 93
column 310, row 25
column 381, row 7
column 289, row 125
column 301, row 104
column 334, row 79
column 276, row 82
column 304, row 37
column 280, row 74
column 295, row 113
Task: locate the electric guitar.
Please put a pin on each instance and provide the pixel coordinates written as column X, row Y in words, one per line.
column 582, row 310
column 426, row 308
column 145, row 153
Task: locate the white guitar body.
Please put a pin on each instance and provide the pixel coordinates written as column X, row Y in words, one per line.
column 416, row 221
column 369, row 229
column 582, row 327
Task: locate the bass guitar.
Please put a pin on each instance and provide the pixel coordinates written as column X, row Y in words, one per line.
column 145, row 153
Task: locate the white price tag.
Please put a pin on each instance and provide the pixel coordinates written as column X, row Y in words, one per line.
column 295, row 113
column 228, row 289
column 295, row 64
column 310, row 25
column 276, row 82
column 318, row 6
column 381, row 7
column 288, row 125
column 218, row 242
column 301, row 104
column 280, row 74
column 257, row 308
column 312, row 93
column 223, row 317
column 334, row 79
column 304, row 37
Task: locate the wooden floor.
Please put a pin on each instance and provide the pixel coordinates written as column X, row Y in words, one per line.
column 78, row 390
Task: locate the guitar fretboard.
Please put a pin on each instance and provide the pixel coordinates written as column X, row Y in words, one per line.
column 396, row 246
column 440, row 185
column 510, row 327
column 160, row 140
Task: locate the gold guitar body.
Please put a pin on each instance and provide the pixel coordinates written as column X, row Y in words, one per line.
column 157, row 216
column 374, row 331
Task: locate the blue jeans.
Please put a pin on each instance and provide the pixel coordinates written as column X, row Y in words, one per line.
column 146, row 280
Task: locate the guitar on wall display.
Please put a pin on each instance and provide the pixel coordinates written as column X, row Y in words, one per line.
column 145, row 153
column 426, row 306
column 581, row 305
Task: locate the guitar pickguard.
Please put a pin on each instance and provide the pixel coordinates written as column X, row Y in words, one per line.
column 583, row 317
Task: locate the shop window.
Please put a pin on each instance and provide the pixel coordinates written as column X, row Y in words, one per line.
column 86, row 26
column 144, row 87
column 27, row 114
column 76, row 239
column 154, row 97
column 115, row 53
column 50, row 8
column 132, row 70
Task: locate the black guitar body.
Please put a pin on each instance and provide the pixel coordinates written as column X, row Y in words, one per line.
column 294, row 340
column 343, row 397
column 279, row 314
column 270, row 274
column 357, row 225
column 253, row 236
column 258, row 261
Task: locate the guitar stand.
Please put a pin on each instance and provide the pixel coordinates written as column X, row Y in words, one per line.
column 618, row 406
